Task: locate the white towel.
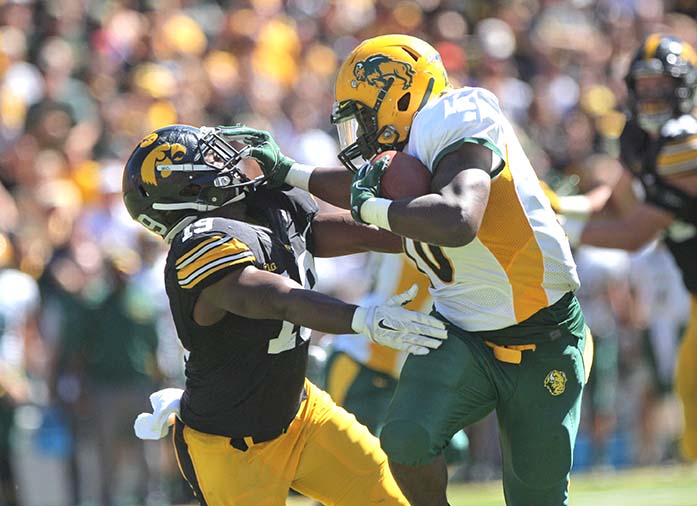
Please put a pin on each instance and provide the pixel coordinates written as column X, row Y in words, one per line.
column 155, row 425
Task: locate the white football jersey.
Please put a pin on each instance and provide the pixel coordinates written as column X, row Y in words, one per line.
column 520, row 261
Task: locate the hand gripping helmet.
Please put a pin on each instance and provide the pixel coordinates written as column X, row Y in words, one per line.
column 379, row 88
column 179, row 171
column 668, row 56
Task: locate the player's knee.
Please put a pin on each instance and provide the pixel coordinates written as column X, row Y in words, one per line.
column 406, row 442
column 541, row 470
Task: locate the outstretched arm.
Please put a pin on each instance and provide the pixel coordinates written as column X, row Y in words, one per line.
column 449, row 216
column 258, row 294
column 330, row 184
column 631, row 231
column 337, row 233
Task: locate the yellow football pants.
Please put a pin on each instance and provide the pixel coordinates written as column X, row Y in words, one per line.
column 686, row 384
column 325, row 455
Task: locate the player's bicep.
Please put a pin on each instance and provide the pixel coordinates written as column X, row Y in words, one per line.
column 249, row 292
column 463, row 177
column 337, row 233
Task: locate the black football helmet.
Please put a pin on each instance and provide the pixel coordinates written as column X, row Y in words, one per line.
column 669, row 56
column 178, row 172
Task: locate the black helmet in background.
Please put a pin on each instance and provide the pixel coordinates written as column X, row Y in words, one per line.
column 662, row 99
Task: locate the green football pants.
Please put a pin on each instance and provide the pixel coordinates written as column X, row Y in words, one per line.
column 537, row 402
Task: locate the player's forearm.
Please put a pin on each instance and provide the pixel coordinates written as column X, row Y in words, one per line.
column 332, row 184
column 614, row 233
column 318, row 311
column 261, row 295
column 337, row 234
column 433, row 219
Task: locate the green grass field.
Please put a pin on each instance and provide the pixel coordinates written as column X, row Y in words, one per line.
column 664, row 486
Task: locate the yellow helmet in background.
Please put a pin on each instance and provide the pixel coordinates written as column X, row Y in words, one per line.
column 381, row 85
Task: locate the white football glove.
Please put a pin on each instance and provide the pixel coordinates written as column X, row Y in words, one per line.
column 392, row 325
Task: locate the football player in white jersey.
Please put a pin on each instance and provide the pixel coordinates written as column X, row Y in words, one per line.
column 500, row 266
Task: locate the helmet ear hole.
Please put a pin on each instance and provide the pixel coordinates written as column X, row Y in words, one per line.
column 143, row 191
column 411, row 53
column 403, row 102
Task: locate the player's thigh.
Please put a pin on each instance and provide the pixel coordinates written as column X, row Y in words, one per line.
column 539, row 422
column 437, row 395
column 221, row 475
column 342, row 463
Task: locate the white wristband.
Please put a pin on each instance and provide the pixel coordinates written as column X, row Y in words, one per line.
column 375, row 211
column 299, row 176
column 358, row 321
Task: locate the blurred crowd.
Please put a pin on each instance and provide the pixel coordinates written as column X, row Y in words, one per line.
column 85, row 333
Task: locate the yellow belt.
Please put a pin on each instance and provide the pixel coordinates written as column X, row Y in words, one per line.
column 510, row 353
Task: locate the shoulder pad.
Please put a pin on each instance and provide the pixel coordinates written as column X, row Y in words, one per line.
column 462, row 115
column 678, row 147
column 211, row 245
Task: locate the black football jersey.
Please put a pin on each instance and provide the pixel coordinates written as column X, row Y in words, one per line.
column 243, row 376
column 650, row 160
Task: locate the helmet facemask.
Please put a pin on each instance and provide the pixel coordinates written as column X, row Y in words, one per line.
column 359, row 137
column 655, row 99
column 215, row 178
column 178, row 172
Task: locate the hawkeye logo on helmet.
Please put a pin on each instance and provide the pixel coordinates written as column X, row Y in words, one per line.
column 164, row 154
column 379, row 70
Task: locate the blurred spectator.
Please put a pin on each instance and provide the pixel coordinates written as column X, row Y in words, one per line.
column 108, row 351
column 19, row 346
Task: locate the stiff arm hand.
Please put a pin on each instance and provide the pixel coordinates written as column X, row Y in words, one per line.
column 392, row 325
column 263, row 148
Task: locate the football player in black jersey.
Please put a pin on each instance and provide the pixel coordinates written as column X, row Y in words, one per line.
column 658, row 147
column 239, row 276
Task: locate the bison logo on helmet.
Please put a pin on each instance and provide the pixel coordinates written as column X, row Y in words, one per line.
column 163, row 154
column 555, row 382
column 380, row 70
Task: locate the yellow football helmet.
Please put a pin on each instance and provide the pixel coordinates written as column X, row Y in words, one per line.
column 381, row 85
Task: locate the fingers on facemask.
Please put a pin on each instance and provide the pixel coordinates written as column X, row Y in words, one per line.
column 247, row 152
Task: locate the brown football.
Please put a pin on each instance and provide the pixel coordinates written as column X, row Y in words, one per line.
column 405, row 177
